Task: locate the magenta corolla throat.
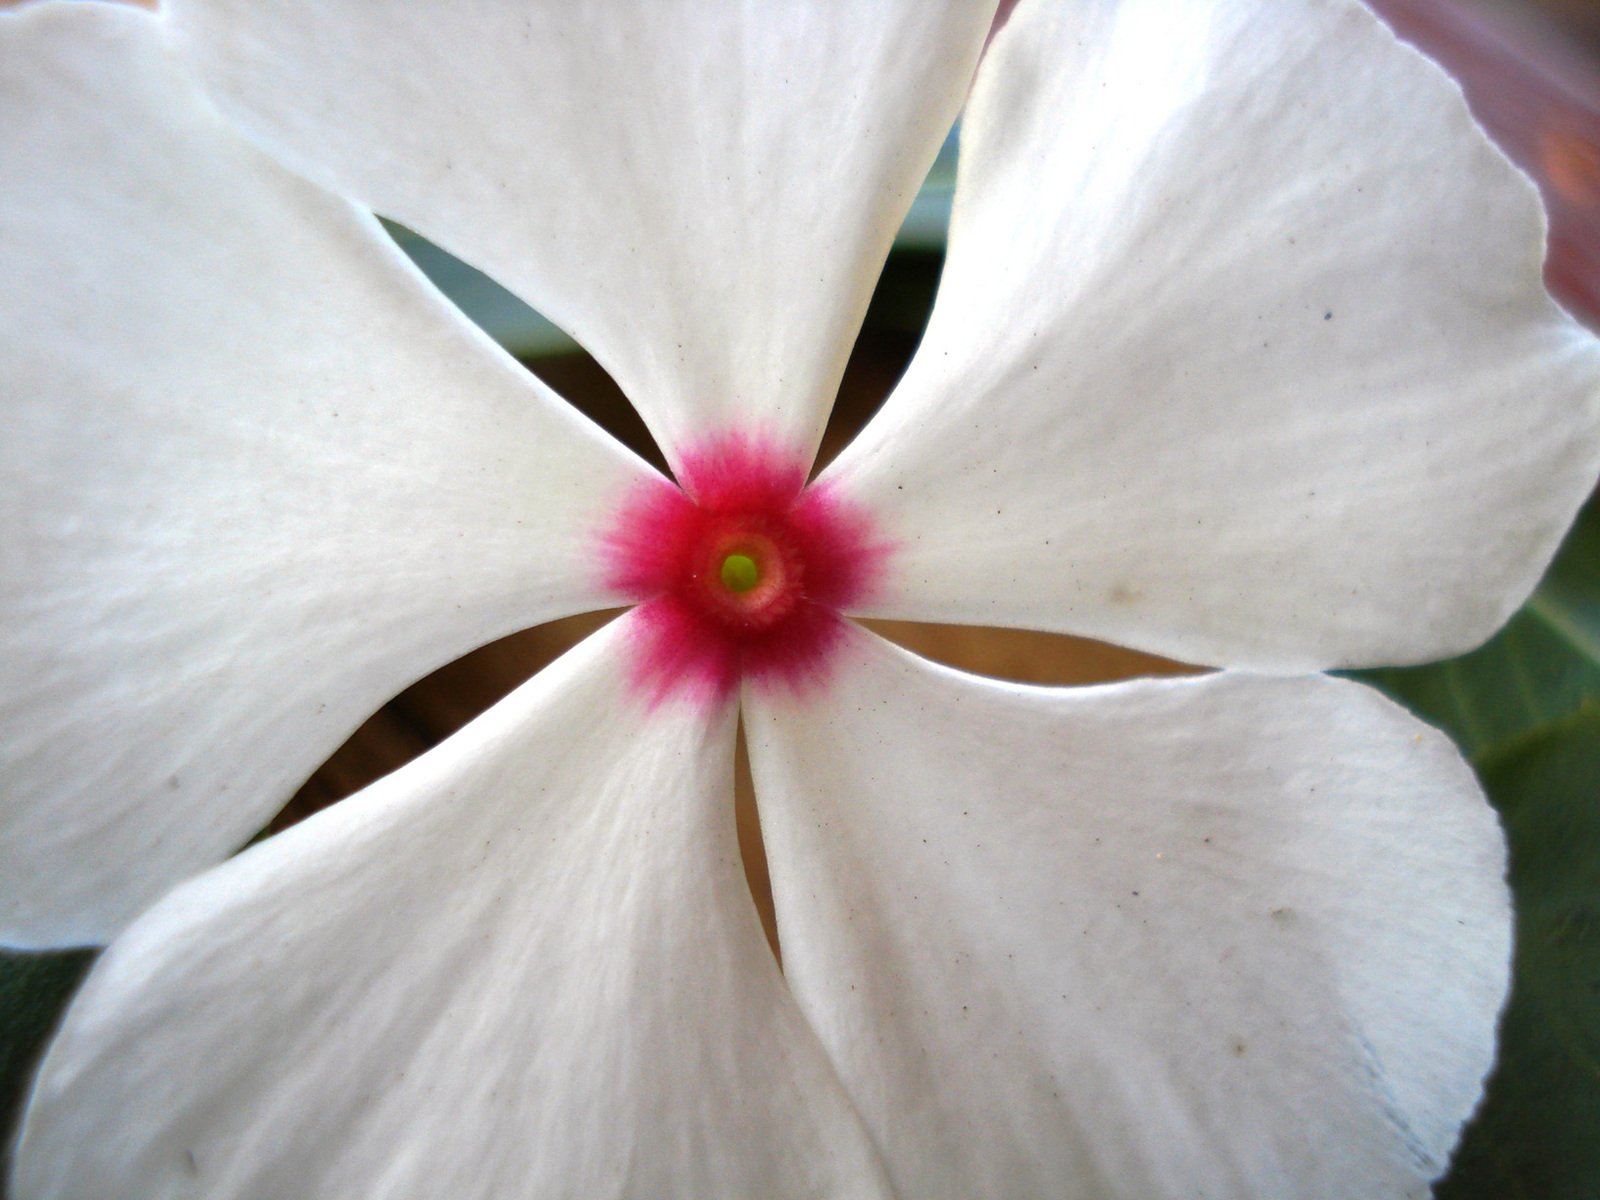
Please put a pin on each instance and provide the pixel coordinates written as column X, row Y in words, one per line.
column 741, row 573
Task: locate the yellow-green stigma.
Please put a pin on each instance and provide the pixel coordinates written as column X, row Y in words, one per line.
column 739, row 573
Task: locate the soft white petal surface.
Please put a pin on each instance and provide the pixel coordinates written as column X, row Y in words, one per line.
column 702, row 194
column 1241, row 353
column 257, row 478
column 525, row 965
column 1231, row 936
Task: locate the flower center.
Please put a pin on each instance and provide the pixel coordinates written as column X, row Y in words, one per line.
column 741, row 574
column 747, row 572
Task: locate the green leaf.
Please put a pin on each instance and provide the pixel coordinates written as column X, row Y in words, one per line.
column 34, row 990
column 1537, row 1136
column 1540, row 668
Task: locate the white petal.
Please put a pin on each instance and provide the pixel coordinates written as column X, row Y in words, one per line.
column 701, row 194
column 257, row 477
column 525, row 965
column 1231, row 936
column 1241, row 353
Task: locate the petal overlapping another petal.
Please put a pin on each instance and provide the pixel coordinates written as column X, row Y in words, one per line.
column 500, row 971
column 701, row 194
column 1241, row 353
column 258, row 478
column 1236, row 936
column 1227, row 936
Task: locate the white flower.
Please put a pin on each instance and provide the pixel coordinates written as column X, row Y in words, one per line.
column 1240, row 356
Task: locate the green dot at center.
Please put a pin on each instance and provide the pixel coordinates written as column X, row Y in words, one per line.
column 739, row 573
